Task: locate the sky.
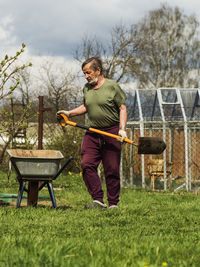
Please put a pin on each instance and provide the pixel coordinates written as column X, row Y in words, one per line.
column 55, row 29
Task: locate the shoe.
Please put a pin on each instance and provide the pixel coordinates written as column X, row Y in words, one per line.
column 96, row 204
column 113, row 207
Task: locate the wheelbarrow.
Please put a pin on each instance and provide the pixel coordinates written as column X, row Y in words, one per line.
column 38, row 168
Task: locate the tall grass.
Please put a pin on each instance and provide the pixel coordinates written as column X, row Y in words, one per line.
column 148, row 229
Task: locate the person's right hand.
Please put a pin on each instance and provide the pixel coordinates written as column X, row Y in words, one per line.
column 65, row 112
column 123, row 135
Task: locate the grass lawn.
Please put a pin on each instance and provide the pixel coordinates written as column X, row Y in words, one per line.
column 148, row 229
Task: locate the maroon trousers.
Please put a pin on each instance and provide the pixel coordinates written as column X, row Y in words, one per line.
column 97, row 148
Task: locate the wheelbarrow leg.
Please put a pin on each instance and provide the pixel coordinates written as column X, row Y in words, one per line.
column 20, row 194
column 51, row 193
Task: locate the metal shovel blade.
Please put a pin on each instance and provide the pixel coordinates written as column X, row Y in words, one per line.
column 151, row 145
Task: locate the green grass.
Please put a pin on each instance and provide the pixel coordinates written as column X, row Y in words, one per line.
column 149, row 229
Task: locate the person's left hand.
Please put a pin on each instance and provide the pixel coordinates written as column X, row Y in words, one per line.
column 123, row 135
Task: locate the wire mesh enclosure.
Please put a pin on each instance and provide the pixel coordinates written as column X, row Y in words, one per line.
column 174, row 115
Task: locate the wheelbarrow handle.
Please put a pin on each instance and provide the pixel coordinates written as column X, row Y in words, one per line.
column 62, row 168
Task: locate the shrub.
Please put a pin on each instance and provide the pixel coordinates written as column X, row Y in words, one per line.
column 69, row 143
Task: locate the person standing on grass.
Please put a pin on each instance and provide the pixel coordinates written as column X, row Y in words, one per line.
column 104, row 102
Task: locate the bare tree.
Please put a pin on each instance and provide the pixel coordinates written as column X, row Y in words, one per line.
column 161, row 50
column 60, row 86
column 116, row 55
column 168, row 49
column 24, row 94
column 13, row 119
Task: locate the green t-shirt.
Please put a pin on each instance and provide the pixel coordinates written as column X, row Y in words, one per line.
column 103, row 104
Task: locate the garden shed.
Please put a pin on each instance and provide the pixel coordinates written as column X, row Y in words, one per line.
column 174, row 115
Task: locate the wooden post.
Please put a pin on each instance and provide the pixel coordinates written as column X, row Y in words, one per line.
column 32, row 193
column 40, row 122
column 34, row 185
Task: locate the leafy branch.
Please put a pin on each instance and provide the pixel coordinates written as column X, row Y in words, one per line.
column 8, row 72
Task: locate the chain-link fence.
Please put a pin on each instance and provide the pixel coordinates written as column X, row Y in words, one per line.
column 180, row 165
column 174, row 115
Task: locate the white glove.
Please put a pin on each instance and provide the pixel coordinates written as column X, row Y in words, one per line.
column 123, row 135
column 63, row 112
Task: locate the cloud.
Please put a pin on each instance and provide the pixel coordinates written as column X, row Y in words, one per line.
column 3, row 34
column 7, row 39
column 56, row 28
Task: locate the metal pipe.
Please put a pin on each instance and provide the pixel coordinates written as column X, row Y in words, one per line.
column 141, row 134
column 131, row 159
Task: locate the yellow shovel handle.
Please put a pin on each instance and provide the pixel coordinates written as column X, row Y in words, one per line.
column 110, row 135
column 68, row 122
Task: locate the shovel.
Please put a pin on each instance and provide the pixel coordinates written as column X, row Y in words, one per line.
column 146, row 145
